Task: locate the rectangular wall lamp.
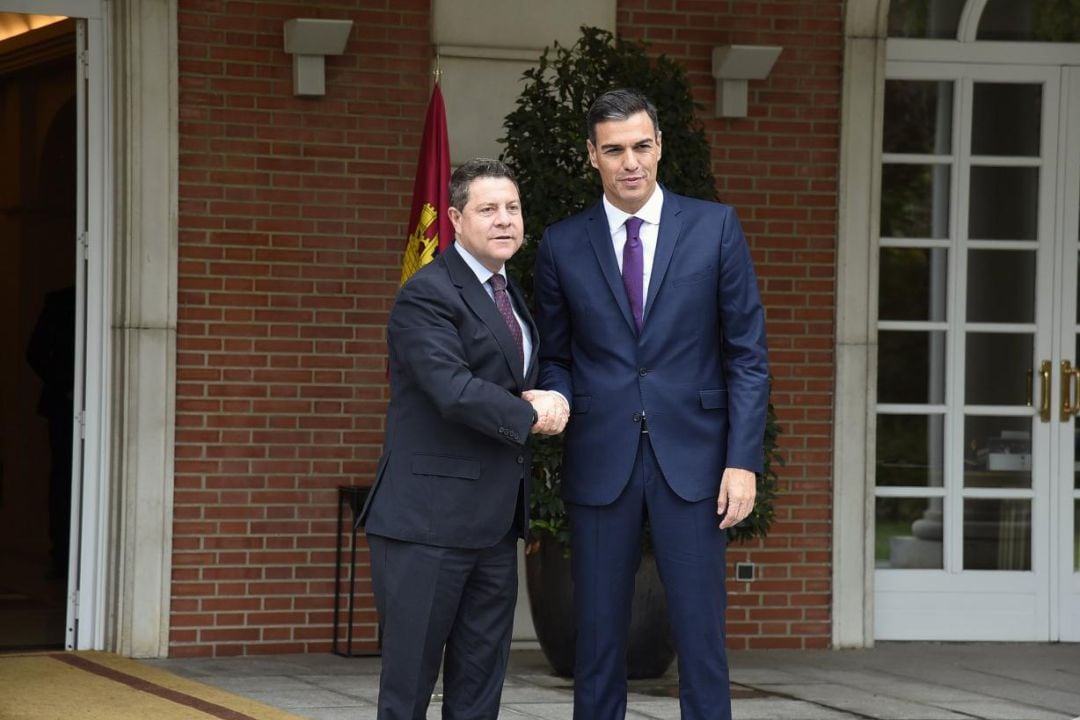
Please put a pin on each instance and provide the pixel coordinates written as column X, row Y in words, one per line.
column 733, row 66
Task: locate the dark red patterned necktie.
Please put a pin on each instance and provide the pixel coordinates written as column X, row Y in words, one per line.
column 502, row 301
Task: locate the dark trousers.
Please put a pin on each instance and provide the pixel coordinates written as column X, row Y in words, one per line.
column 606, row 551
column 447, row 606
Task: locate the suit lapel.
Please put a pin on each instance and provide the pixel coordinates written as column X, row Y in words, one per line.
column 476, row 297
column 667, row 238
column 600, row 238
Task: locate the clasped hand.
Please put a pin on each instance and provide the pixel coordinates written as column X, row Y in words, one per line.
column 552, row 411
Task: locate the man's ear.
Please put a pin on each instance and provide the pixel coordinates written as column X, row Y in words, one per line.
column 592, row 153
column 455, row 218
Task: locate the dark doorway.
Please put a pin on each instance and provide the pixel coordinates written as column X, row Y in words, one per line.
column 38, row 242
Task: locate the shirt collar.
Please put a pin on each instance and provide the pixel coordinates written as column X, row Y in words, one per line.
column 649, row 212
column 482, row 273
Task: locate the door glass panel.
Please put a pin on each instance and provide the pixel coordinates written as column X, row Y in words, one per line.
column 997, row 452
column 910, row 450
column 1076, row 535
column 1077, row 301
column 1076, row 423
column 1007, row 119
column 1004, row 203
column 924, row 18
column 918, row 117
column 911, row 366
column 997, row 534
column 912, row 284
column 996, row 367
column 1001, row 286
column 1030, row 20
column 914, row 201
column 908, row 533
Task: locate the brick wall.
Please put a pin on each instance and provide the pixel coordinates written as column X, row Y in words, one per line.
column 293, row 213
column 779, row 167
column 292, row 217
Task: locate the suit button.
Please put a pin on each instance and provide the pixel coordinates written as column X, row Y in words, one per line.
column 637, row 417
column 520, row 460
column 642, row 372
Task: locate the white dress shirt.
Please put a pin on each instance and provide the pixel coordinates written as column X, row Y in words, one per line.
column 483, row 275
column 650, row 229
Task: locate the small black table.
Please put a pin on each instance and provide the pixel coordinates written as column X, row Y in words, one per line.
column 351, row 498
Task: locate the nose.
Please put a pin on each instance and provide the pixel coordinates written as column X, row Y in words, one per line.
column 502, row 217
column 629, row 159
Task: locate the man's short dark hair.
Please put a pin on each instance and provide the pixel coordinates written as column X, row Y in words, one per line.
column 619, row 104
column 473, row 170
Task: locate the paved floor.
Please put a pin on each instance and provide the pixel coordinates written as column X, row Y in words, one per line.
column 893, row 681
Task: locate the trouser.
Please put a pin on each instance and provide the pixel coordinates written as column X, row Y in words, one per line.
column 448, row 606
column 606, row 551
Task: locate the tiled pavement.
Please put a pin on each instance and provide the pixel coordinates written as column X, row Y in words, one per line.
column 893, row 681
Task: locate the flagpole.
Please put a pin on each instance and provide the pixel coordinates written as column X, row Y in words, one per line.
column 437, row 72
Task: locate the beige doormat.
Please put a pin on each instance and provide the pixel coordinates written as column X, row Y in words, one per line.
column 103, row 686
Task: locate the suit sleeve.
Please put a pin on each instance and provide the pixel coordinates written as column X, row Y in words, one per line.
column 425, row 340
column 553, row 322
column 746, row 361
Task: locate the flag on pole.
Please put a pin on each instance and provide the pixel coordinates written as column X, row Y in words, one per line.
column 430, row 229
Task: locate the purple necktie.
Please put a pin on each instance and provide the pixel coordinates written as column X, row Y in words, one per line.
column 633, row 268
column 502, row 301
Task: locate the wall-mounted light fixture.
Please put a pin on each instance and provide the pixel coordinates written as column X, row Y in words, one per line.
column 12, row 24
column 309, row 41
column 733, row 66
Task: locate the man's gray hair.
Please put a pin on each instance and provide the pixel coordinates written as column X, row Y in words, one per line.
column 619, row 104
column 473, row 170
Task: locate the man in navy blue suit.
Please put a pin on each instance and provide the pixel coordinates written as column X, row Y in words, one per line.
column 652, row 328
column 451, row 492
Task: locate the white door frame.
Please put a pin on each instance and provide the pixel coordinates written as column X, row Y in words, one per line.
column 862, row 112
column 1064, row 495
column 124, row 523
column 1013, row 605
column 89, row 543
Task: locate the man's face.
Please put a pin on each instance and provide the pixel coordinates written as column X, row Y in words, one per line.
column 626, row 153
column 490, row 225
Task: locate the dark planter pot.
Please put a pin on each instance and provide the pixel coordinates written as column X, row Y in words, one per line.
column 551, row 598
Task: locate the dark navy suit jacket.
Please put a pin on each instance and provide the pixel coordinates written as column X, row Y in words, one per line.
column 454, row 455
column 698, row 370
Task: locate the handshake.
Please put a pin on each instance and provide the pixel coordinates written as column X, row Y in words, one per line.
column 552, row 411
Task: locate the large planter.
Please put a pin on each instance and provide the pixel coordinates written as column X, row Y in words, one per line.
column 551, row 598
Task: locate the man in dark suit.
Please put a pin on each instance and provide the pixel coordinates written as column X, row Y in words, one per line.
column 652, row 327
column 451, row 494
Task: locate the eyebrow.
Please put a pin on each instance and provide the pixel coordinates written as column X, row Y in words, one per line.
column 637, row 143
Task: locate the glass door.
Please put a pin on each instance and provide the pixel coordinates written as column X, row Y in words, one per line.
column 971, row 269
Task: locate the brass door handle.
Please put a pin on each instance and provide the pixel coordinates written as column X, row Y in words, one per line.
column 1044, row 400
column 1070, row 401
